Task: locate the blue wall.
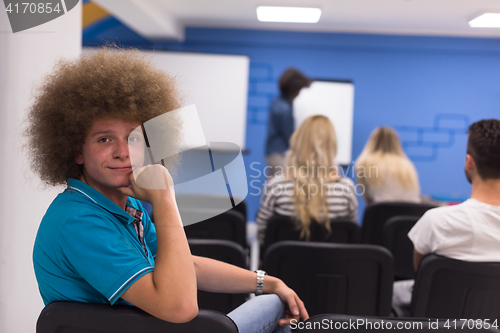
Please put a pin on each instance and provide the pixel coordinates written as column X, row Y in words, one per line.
column 428, row 88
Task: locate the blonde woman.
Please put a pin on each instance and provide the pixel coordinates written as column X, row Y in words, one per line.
column 310, row 188
column 385, row 171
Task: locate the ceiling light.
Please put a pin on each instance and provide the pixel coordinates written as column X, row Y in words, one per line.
column 488, row 20
column 288, row 14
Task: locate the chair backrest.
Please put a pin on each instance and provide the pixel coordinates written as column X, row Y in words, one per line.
column 225, row 251
column 395, row 239
column 281, row 228
column 335, row 278
column 77, row 317
column 449, row 288
column 335, row 322
column 230, row 225
column 242, row 208
column 377, row 214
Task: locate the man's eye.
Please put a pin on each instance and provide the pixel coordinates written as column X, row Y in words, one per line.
column 103, row 140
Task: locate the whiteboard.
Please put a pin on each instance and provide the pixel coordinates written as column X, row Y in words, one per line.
column 217, row 85
column 335, row 100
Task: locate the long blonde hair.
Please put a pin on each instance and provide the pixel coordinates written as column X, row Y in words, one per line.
column 383, row 158
column 313, row 146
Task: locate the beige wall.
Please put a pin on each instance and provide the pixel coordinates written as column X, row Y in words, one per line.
column 24, row 58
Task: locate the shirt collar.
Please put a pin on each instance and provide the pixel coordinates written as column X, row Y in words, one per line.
column 100, row 199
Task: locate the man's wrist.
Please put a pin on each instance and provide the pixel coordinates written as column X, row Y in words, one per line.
column 166, row 213
column 162, row 202
column 271, row 284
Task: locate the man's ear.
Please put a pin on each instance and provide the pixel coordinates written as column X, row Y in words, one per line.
column 78, row 157
column 469, row 163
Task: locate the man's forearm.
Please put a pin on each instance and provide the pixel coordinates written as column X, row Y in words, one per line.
column 417, row 258
column 169, row 292
column 174, row 268
column 217, row 276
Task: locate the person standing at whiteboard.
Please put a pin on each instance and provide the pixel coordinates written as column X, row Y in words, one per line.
column 281, row 124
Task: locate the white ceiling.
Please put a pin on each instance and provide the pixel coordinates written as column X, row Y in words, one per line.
column 167, row 18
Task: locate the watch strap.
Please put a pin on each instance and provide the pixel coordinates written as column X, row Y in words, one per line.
column 260, row 282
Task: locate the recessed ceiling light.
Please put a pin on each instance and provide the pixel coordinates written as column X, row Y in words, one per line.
column 488, row 20
column 288, row 14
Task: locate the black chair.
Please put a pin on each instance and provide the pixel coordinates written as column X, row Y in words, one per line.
column 77, row 317
column 395, row 239
column 281, row 228
column 230, row 225
column 335, row 278
column 228, row 252
column 449, row 288
column 377, row 214
column 241, row 208
column 334, row 322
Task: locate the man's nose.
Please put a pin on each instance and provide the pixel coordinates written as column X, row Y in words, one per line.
column 121, row 149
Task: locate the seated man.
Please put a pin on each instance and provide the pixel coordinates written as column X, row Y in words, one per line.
column 469, row 231
column 96, row 243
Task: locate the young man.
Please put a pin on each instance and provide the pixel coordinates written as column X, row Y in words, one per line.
column 281, row 124
column 469, row 231
column 96, row 243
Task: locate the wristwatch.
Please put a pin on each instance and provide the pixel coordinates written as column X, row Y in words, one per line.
column 260, row 282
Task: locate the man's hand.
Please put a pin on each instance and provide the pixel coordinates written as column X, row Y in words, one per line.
column 151, row 183
column 295, row 308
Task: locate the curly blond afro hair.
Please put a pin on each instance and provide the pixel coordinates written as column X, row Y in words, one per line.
column 104, row 84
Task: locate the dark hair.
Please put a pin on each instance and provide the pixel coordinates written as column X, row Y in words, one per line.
column 484, row 147
column 291, row 81
column 110, row 83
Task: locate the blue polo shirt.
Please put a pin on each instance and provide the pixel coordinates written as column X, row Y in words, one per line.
column 87, row 248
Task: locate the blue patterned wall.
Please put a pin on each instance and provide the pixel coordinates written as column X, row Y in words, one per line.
column 261, row 90
column 423, row 143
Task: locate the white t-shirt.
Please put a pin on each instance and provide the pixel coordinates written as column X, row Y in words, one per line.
column 469, row 231
column 392, row 191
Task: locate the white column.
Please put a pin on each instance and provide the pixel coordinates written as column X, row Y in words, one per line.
column 24, row 58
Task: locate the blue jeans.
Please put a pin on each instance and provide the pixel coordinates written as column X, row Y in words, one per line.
column 260, row 315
